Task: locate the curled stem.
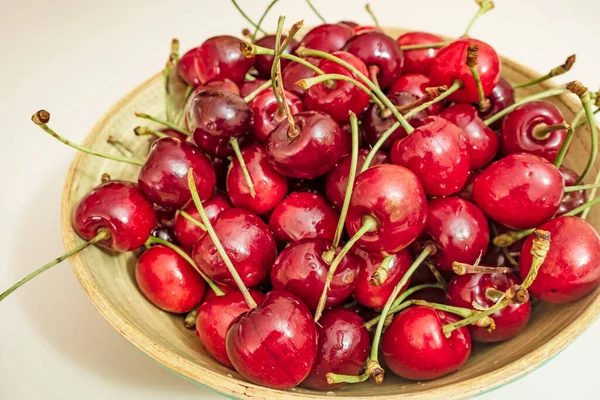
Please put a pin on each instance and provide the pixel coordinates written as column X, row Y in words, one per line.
column 308, row 82
column 162, row 122
column 537, row 96
column 561, row 69
column 238, row 155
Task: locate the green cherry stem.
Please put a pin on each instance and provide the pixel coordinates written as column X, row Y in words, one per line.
column 330, row 79
column 562, row 152
column 190, row 319
column 508, row 238
column 238, row 155
column 247, row 18
column 249, row 50
column 575, row 188
column 259, row 90
column 372, row 14
column 262, row 18
column 460, row 268
column 583, row 207
column 511, row 259
column 586, row 100
column 484, row 7
column 193, row 220
column 165, row 123
column 167, row 72
column 188, row 92
column 424, row 46
column 145, row 131
column 317, row 13
column 276, row 63
column 381, row 273
column 472, row 55
column 561, row 69
column 119, row 145
column 592, row 196
column 41, row 119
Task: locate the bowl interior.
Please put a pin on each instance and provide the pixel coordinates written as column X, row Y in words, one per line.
column 109, row 281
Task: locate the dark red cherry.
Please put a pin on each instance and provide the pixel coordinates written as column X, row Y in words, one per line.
column 327, row 37
column 376, row 296
column 164, row 233
column 342, row 97
column 293, row 72
column 343, row 346
column 163, row 177
column 459, row 230
column 312, row 151
column 414, row 345
column 482, row 142
column 449, row 65
column 120, row 208
column 217, row 58
column 269, row 186
column 351, row 24
column 168, row 281
column 378, row 50
column 337, row 179
column 221, row 165
column 301, row 270
column 164, row 215
column 226, row 84
column 250, row 86
column 521, row 130
column 437, row 152
column 264, row 63
column 416, row 84
column 315, row 186
column 360, row 29
column 430, row 294
column 266, row 113
column 418, row 61
column 467, row 190
column 571, row 200
column 214, row 317
column 465, row 290
column 571, row 269
column 520, row 191
column 275, row 344
column 375, row 123
column 170, row 132
column 303, row 216
column 215, row 117
column 496, row 257
column 393, row 196
column 248, row 242
column 502, row 96
column 186, row 232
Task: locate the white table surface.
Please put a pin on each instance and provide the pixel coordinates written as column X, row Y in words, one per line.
column 77, row 58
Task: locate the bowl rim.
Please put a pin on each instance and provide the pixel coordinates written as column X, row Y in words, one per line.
column 236, row 388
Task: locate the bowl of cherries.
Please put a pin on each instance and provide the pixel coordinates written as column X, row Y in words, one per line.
column 343, row 210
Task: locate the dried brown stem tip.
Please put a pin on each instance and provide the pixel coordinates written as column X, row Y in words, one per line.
column 577, row 88
column 541, row 243
column 486, row 322
column 435, row 92
column 330, row 378
column 41, row 117
column 379, row 276
column 247, row 49
column 374, row 371
column 463, row 269
column 561, row 69
column 472, row 54
column 517, row 294
column 246, row 32
column 190, row 320
column 105, row 177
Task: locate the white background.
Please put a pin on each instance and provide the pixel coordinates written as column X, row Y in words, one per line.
column 76, row 58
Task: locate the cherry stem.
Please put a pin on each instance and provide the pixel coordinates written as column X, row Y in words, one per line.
column 508, row 238
column 381, row 273
column 562, row 152
column 238, row 155
column 193, row 220
column 317, row 13
column 537, row 96
column 145, row 131
column 436, row 273
column 472, row 54
column 155, row 240
column 304, row 52
column 122, row 147
column 373, row 72
column 309, row 82
column 260, row 21
column 484, row 7
column 190, row 319
column 493, row 294
column 165, row 123
column 543, row 131
column 372, row 14
column 575, row 188
column 217, row 243
column 250, row 50
column 561, row 69
column 103, row 234
column 259, row 90
column 188, row 92
column 583, row 208
column 424, row 46
column 167, row 72
column 504, row 250
column 586, row 100
column 460, row 268
column 436, row 94
column 369, row 224
column 332, row 378
column 247, row 18
column 41, row 119
column 275, row 77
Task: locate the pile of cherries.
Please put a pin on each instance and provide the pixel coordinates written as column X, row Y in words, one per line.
column 356, row 203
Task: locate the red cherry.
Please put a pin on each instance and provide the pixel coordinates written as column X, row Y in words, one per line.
column 313, row 151
column 168, row 281
column 170, row 132
column 351, row 24
column 248, row 242
column 186, row 232
column 502, row 96
column 214, row 318
column 449, row 65
column 416, row 84
column 360, row 29
column 163, row 177
column 482, row 142
column 303, row 216
column 520, row 191
column 415, row 347
column 342, row 97
column 342, row 348
column 418, row 61
column 496, row 257
column 437, row 153
column 520, row 130
column 293, row 72
column 337, row 179
column 430, row 294
column 164, row 215
column 250, row 86
column 301, row 270
column 220, row 165
column 394, row 197
column 217, row 58
column 264, row 63
column 571, row 200
column 270, row 187
column 327, row 37
column 164, row 233
column 571, row 269
column 266, row 114
column 315, row 186
column 275, row 344
column 226, row 84
column 376, row 296
column 465, row 290
column 120, row 208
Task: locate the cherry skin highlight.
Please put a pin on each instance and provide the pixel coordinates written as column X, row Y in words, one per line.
column 418, row 61
column 266, row 113
column 416, row 84
column 264, row 63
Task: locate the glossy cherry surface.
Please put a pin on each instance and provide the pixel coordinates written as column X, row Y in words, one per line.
column 275, row 344
column 266, row 113
column 226, row 84
column 264, row 63
column 327, row 37
column 502, row 96
column 270, row 187
column 214, row 317
column 418, row 61
column 303, row 215
column 520, row 191
column 217, row 58
column 248, row 242
column 571, row 200
column 518, row 134
column 482, row 142
column 437, row 152
column 415, row 347
column 571, row 269
column 121, row 209
column 301, row 270
column 163, row 177
column 464, row 290
column 416, row 84
column 343, row 345
column 312, row 152
column 168, row 281
column 293, row 72
column 393, row 196
column 250, row 86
